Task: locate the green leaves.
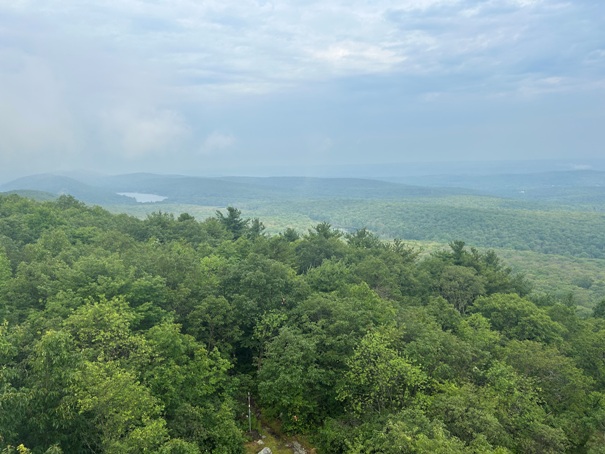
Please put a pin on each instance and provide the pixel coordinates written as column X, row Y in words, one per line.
column 234, row 223
column 289, row 378
column 460, row 286
column 518, row 318
column 378, row 378
column 120, row 414
column 127, row 335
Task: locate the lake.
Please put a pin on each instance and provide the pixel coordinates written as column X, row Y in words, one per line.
column 143, row 198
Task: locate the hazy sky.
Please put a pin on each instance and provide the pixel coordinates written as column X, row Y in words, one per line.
column 205, row 86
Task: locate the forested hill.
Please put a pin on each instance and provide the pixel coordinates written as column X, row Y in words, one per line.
column 568, row 219
column 58, row 185
column 571, row 187
column 126, row 335
column 104, row 190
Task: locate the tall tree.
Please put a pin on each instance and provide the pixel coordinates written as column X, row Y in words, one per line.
column 234, row 223
column 379, row 379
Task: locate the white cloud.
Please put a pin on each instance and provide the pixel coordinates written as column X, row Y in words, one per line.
column 216, row 142
column 35, row 119
column 137, row 134
column 347, row 57
column 133, row 78
column 207, row 49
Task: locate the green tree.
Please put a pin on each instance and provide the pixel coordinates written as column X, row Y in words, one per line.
column 234, row 223
column 53, row 364
column 460, row 286
column 214, row 322
column 289, row 379
column 194, row 388
column 265, row 330
column 519, row 411
column 363, row 238
column 102, row 331
column 331, row 275
column 470, row 414
column 256, row 229
column 379, row 379
column 563, row 386
column 587, row 347
column 119, row 414
column 290, row 235
column 599, row 309
column 5, row 278
column 518, row 318
column 160, row 226
column 322, row 242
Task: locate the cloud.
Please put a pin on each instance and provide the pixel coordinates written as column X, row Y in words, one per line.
column 209, row 49
column 216, row 142
column 347, row 57
column 137, row 134
column 35, row 119
column 133, row 79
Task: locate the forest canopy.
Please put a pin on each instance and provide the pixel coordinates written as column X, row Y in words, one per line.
column 122, row 335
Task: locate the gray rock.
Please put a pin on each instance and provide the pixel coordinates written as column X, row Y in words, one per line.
column 265, row 451
column 297, row 448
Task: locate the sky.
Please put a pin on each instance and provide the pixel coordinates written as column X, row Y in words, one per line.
column 207, row 87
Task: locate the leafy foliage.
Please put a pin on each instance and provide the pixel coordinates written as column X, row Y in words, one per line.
column 128, row 335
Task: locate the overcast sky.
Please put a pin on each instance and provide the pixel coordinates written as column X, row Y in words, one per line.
column 236, row 87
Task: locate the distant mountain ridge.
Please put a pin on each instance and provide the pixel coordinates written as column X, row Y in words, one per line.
column 219, row 191
column 58, row 185
column 572, row 186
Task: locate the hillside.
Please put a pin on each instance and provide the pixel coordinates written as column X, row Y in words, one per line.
column 550, row 227
column 58, row 185
column 578, row 187
column 566, row 219
column 119, row 335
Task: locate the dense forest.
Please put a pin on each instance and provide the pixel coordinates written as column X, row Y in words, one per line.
column 127, row 335
column 482, row 221
column 549, row 213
